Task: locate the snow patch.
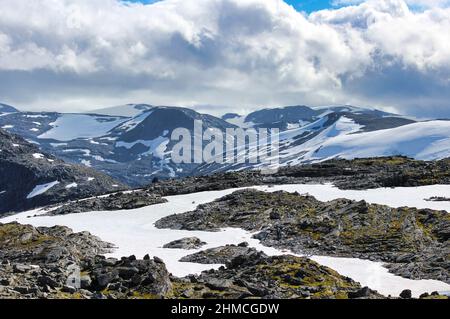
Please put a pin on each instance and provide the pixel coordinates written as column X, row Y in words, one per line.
column 38, row 156
column 41, row 189
column 157, row 147
column 86, row 163
column 73, row 185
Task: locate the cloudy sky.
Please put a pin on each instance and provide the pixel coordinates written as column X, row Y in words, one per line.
column 226, row 55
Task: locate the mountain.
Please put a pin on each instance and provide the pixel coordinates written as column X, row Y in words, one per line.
column 133, row 149
column 30, row 178
column 291, row 117
column 132, row 143
column 311, row 135
column 7, row 109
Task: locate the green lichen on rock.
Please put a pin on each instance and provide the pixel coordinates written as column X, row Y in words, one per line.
column 340, row 227
column 255, row 275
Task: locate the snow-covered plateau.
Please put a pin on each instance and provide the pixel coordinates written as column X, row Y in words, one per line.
column 134, row 233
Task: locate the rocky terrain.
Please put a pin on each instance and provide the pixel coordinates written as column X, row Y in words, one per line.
column 116, row 201
column 414, row 242
column 30, row 178
column 185, row 243
column 39, row 263
column 55, row 263
column 218, row 255
column 346, row 174
column 254, row 275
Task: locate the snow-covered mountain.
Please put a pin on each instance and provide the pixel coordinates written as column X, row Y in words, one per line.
column 133, row 142
column 7, row 109
column 314, row 135
column 134, row 149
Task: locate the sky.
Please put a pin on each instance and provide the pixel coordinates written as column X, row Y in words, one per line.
column 223, row 56
column 301, row 5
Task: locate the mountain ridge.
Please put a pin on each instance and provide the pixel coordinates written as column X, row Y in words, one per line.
column 133, row 144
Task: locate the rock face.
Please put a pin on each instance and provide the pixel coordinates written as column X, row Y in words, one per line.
column 415, row 242
column 254, row 275
column 116, row 201
column 185, row 243
column 30, row 179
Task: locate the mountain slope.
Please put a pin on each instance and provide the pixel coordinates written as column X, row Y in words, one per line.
column 30, row 178
column 134, row 150
column 133, row 144
column 291, row 117
column 6, row 109
column 423, row 141
column 338, row 135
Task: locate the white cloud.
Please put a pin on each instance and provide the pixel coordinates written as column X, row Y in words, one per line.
column 80, row 54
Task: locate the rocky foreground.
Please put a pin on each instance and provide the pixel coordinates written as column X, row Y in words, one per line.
column 40, row 263
column 414, row 242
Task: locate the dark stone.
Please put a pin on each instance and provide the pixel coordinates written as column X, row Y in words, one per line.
column 406, row 294
column 362, row 293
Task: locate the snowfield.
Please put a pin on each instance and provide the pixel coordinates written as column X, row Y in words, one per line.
column 133, row 232
column 423, row 141
column 67, row 127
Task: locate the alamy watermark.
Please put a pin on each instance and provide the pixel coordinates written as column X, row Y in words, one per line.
column 232, row 146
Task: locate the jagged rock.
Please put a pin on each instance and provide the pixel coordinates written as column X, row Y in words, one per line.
column 362, row 293
column 406, row 294
column 47, row 281
column 85, row 281
column 219, row 255
column 69, row 289
column 185, row 243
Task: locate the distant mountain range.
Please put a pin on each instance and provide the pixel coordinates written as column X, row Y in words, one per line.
column 132, row 142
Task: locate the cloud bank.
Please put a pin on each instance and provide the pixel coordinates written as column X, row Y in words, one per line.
column 77, row 55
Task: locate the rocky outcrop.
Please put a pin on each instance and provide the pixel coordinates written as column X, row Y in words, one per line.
column 185, row 243
column 415, row 242
column 218, row 255
column 40, row 263
column 254, row 275
column 113, row 202
column 345, row 174
column 30, row 178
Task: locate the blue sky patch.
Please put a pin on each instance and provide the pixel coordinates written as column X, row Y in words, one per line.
column 301, row 5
